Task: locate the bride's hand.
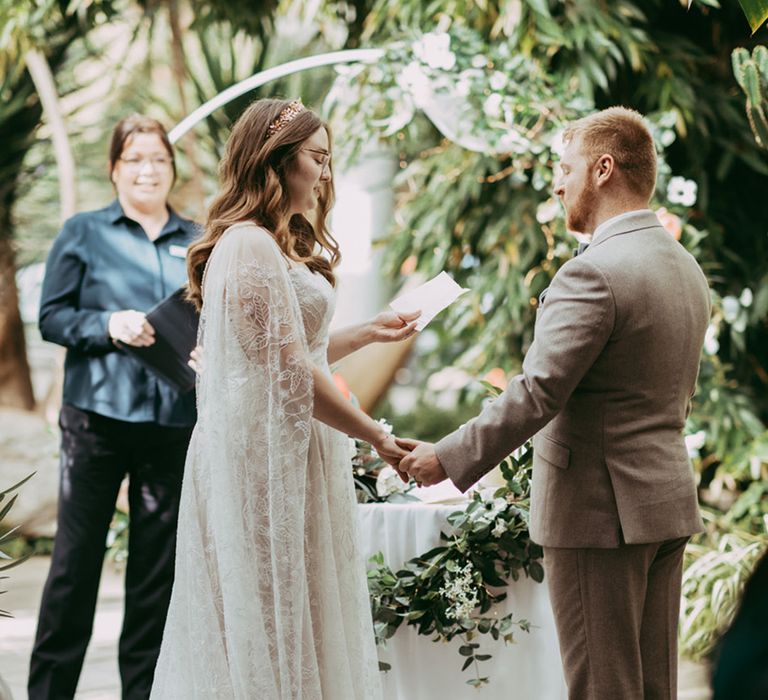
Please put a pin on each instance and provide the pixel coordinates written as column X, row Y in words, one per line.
column 391, row 327
column 388, row 449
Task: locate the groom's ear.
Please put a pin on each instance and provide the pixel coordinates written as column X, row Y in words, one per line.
column 605, row 166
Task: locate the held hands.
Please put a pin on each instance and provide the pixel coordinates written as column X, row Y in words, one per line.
column 132, row 328
column 388, row 449
column 391, row 327
column 421, row 462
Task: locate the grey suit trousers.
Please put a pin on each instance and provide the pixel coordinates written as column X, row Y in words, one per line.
column 616, row 612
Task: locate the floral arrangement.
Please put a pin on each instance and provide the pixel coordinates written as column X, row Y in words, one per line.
column 450, row 590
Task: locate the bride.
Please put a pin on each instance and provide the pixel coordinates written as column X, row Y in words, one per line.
column 270, row 598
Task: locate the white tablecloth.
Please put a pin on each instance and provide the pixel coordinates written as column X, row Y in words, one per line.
column 424, row 670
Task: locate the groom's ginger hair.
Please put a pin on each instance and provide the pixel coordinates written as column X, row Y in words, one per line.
column 623, row 134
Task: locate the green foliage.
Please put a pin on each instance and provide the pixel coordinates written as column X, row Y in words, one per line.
column 717, row 566
column 448, row 591
column 7, row 537
column 756, row 12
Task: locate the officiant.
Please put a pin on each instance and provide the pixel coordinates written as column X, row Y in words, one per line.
column 106, row 269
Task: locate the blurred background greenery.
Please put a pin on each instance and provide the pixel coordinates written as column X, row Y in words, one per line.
column 456, row 77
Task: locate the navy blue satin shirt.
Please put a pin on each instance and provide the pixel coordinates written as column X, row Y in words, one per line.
column 101, row 262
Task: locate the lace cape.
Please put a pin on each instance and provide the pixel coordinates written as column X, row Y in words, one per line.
column 269, row 592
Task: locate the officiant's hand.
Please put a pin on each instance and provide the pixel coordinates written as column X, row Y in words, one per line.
column 391, row 327
column 132, row 328
column 196, row 359
column 422, row 462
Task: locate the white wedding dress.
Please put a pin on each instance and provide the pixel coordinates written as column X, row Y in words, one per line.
column 270, row 599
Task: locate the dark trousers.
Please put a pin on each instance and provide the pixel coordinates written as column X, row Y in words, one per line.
column 616, row 615
column 96, row 453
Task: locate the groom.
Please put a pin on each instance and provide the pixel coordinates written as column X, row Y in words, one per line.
column 605, row 389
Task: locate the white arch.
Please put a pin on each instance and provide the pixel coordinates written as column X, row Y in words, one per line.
column 265, row 76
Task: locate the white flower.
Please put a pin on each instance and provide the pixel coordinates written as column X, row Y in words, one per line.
column 511, row 140
column 498, row 80
column 413, row 79
column 486, row 303
column 479, row 61
column 388, row 482
column 498, row 505
column 558, row 145
column 746, row 297
column 711, row 343
column 499, row 528
column 682, row 191
column 492, row 105
column 547, row 211
column 463, row 87
column 731, row 308
column 461, row 591
column 694, row 442
column 388, row 428
column 434, row 49
column 448, row 378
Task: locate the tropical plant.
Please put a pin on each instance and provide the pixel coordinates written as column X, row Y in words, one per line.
column 7, row 536
column 50, row 27
column 751, row 71
column 717, row 566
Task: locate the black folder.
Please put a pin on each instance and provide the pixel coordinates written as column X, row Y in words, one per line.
column 175, row 322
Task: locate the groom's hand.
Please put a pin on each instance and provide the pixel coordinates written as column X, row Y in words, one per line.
column 422, row 463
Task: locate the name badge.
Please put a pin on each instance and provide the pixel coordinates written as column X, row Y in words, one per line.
column 178, row 251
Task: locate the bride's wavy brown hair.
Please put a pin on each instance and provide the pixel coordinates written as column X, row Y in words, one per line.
column 253, row 188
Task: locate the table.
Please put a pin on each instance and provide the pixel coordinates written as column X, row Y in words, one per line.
column 423, row 670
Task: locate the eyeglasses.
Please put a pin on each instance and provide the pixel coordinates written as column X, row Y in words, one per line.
column 326, row 161
column 158, row 163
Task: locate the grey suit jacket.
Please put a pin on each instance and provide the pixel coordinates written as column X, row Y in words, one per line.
column 606, row 388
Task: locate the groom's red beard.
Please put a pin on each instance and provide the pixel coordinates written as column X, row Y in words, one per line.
column 580, row 216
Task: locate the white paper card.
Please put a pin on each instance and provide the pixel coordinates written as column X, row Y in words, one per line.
column 431, row 297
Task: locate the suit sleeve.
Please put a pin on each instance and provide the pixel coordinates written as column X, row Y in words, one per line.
column 61, row 319
column 572, row 328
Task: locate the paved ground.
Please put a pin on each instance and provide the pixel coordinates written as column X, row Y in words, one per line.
column 99, row 680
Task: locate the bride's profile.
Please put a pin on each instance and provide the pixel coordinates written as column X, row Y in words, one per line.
column 270, row 597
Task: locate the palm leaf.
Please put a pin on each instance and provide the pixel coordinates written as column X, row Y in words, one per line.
column 756, row 12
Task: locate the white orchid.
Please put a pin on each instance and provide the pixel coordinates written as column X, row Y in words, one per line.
column 413, row 79
column 498, row 80
column 492, row 105
column 434, row 49
column 682, row 191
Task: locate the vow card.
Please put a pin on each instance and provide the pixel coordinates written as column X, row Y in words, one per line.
column 431, row 297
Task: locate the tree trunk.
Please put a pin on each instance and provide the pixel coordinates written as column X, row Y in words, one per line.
column 15, row 381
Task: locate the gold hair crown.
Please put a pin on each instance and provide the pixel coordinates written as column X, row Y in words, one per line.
column 286, row 116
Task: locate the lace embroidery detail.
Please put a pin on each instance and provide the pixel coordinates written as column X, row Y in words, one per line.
column 270, row 599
